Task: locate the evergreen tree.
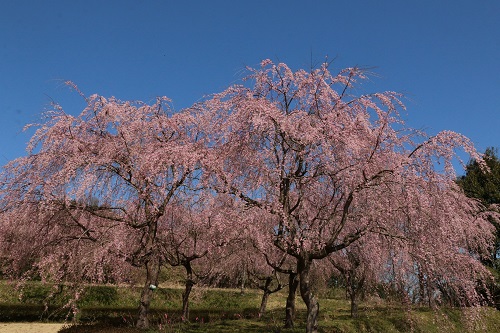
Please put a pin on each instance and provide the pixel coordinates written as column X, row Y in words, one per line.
column 485, row 186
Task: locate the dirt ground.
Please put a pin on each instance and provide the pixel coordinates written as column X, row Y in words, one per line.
column 30, row 327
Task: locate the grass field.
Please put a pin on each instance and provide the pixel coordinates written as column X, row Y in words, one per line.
column 226, row 310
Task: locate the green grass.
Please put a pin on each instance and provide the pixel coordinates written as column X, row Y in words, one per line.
column 224, row 310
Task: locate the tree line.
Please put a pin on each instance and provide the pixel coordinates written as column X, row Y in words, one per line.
column 280, row 179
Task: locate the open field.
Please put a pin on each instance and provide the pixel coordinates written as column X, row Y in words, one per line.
column 223, row 310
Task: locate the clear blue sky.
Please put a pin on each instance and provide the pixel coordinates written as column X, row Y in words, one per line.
column 444, row 55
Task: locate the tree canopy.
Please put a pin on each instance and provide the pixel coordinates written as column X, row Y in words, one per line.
column 483, row 185
column 306, row 168
column 329, row 169
column 105, row 177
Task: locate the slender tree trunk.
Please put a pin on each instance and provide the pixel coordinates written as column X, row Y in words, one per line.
column 303, row 269
column 152, row 273
column 293, row 283
column 354, row 304
column 422, row 286
column 265, row 296
column 187, row 291
column 243, row 281
column 263, row 303
column 353, row 289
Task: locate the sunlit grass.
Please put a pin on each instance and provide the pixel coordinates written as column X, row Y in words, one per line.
column 229, row 310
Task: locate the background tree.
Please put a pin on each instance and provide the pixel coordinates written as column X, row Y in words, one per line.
column 358, row 270
column 265, row 257
column 132, row 158
column 195, row 233
column 485, row 186
column 184, row 243
column 50, row 245
column 262, row 276
column 332, row 168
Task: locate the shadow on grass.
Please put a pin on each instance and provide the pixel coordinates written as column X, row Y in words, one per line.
column 30, row 313
column 206, row 321
column 109, row 319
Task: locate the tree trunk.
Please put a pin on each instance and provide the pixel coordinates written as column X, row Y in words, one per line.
column 354, row 305
column 354, row 288
column 263, row 303
column 152, row 273
column 187, row 291
column 293, row 283
column 265, row 296
column 243, row 281
column 303, row 269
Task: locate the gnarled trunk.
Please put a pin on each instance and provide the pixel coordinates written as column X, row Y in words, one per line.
column 293, row 284
column 303, row 269
column 152, row 273
column 187, row 291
